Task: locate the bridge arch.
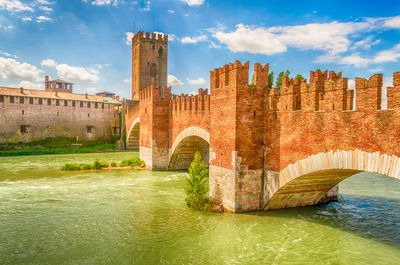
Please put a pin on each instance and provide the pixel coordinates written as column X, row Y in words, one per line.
column 308, row 180
column 186, row 144
column 132, row 139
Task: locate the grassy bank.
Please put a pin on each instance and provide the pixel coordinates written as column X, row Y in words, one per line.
column 97, row 164
column 56, row 145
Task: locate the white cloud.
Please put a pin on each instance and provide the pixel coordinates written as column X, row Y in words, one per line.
column 375, row 70
column 46, row 9
column 12, row 69
column 214, row 45
column 174, row 81
column 171, row 11
column 72, row 73
column 365, row 43
column 193, row 40
column 25, row 19
column 101, row 2
column 41, row 19
column 353, row 59
column 48, row 63
column 29, row 85
column 198, row 81
column 45, row 2
column 75, row 73
column 193, row 93
column 14, row 5
column 8, row 54
column 193, row 2
column 171, row 37
column 332, row 38
column 390, row 55
column 392, row 22
column 101, row 66
column 129, row 36
column 91, row 90
column 128, row 80
column 147, row 6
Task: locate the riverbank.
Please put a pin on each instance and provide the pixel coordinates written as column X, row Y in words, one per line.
column 56, row 145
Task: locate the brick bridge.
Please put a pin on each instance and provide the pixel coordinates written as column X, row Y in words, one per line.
column 269, row 150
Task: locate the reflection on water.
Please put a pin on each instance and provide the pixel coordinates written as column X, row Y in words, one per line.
column 139, row 217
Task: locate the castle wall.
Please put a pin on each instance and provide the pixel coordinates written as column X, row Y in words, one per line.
column 31, row 121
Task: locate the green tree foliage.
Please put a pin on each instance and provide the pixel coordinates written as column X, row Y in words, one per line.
column 252, row 80
column 299, row 76
column 270, row 80
column 279, row 79
column 196, row 186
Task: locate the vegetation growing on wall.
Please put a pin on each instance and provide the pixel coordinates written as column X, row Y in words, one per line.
column 196, row 186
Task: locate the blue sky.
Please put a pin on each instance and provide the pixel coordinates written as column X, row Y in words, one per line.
column 87, row 41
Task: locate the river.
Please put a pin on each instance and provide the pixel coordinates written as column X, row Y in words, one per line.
column 139, row 217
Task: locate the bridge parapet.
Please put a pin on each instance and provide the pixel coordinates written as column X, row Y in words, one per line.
column 192, row 103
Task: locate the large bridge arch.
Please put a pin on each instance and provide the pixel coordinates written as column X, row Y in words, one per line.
column 132, row 139
column 308, row 180
column 186, row 144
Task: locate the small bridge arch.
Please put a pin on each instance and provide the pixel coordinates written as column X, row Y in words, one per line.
column 186, row 144
column 308, row 180
column 132, row 139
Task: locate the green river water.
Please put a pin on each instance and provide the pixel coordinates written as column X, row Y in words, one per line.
column 139, row 217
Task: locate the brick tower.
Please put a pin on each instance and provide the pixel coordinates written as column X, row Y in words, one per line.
column 149, row 61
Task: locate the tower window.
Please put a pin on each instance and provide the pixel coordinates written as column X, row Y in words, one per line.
column 40, row 101
column 57, row 102
column 65, row 102
column 21, row 100
column 49, row 101
column 11, row 99
column 30, row 100
column 73, row 103
column 153, row 47
column 1, row 98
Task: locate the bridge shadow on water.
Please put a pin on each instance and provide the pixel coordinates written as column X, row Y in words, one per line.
column 370, row 217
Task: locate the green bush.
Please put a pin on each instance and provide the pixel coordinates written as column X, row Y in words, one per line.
column 113, row 164
column 68, row 167
column 132, row 162
column 196, row 186
column 99, row 164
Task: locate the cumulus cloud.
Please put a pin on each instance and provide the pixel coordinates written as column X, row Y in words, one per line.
column 128, row 80
column 104, row 2
column 171, row 11
column 12, row 69
column 193, row 40
column 41, row 19
column 73, row 73
column 48, row 63
column 332, row 38
column 174, row 81
column 28, row 85
column 365, row 43
column 129, row 36
column 193, row 2
column 353, row 59
column 25, row 19
column 14, row 5
column 198, row 81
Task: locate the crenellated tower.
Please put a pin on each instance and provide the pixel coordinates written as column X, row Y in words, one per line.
column 149, row 61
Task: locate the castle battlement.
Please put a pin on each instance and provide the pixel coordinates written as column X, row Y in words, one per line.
column 197, row 103
column 147, row 36
column 155, row 92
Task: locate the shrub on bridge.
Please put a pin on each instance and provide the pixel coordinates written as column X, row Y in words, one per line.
column 196, row 186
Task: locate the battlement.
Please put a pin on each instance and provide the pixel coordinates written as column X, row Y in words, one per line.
column 154, row 37
column 236, row 75
column 153, row 92
column 200, row 102
column 318, row 75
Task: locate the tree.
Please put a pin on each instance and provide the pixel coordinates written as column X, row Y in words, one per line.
column 279, row 79
column 299, row 76
column 270, row 80
column 196, row 186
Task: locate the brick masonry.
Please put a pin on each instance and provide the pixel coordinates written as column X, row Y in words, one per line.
column 264, row 144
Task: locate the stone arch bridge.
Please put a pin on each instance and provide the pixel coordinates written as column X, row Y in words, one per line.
column 270, row 149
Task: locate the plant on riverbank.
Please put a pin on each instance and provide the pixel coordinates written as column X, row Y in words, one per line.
column 97, row 164
column 132, row 162
column 196, row 186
